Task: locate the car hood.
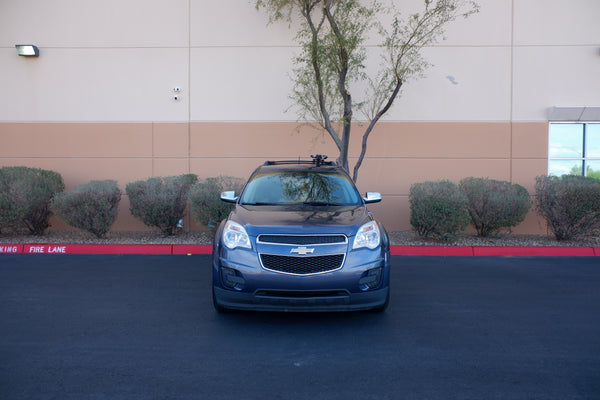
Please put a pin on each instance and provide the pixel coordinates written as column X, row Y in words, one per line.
column 301, row 220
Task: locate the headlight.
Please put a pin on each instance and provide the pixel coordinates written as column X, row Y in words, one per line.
column 234, row 235
column 367, row 236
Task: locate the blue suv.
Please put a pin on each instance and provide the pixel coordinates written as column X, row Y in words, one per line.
column 300, row 238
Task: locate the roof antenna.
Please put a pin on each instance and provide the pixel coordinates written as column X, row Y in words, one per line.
column 318, row 159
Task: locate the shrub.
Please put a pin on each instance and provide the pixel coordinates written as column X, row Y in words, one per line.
column 25, row 195
column 205, row 198
column 438, row 209
column 494, row 205
column 91, row 206
column 160, row 202
column 570, row 205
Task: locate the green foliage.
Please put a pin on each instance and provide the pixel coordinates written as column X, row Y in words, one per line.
column 494, row 205
column 438, row 209
column 590, row 172
column 332, row 65
column 207, row 206
column 570, row 205
column 25, row 195
column 91, row 206
column 161, row 201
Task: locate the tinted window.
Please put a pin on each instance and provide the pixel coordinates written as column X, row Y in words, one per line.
column 300, row 187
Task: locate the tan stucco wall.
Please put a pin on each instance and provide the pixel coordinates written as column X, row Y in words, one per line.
column 98, row 102
column 400, row 153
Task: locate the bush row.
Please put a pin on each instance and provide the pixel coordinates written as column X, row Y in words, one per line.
column 569, row 204
column 29, row 196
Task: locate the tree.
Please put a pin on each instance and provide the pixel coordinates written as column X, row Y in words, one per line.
column 332, row 35
column 590, row 172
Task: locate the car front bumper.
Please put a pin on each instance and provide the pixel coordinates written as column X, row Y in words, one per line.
column 301, row 300
column 242, row 282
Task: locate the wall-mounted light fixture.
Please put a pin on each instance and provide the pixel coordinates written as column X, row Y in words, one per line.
column 27, row 50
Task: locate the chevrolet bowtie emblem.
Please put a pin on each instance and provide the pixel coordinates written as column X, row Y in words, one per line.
column 302, row 251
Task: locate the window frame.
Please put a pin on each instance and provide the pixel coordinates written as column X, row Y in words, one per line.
column 585, row 159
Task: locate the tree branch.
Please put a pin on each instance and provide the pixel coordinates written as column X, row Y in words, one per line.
column 344, row 93
column 372, row 125
column 314, row 59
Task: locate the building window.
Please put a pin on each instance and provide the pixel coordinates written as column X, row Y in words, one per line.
column 574, row 148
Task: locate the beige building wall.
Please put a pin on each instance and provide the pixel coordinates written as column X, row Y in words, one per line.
column 99, row 101
column 402, row 153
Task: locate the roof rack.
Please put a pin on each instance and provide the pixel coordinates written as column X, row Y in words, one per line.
column 317, row 160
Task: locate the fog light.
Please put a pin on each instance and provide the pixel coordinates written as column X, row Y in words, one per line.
column 232, row 278
column 370, row 279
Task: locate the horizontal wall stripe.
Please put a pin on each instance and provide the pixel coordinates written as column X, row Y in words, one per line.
column 399, row 154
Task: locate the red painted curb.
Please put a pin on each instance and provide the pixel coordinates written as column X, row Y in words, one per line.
column 152, row 249
column 431, row 251
column 190, row 249
column 533, row 251
column 11, row 248
column 483, row 251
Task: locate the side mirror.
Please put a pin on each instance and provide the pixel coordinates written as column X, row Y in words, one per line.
column 372, row 197
column 229, row 197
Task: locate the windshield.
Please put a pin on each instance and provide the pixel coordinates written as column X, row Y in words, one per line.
column 300, row 187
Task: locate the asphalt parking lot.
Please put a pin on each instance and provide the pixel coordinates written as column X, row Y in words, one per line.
column 143, row 327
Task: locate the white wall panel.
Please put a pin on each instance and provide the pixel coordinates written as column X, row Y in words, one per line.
column 554, row 76
column 91, row 23
column 94, row 85
column 464, row 84
column 491, row 26
column 241, row 84
column 238, row 23
column 235, row 23
column 557, row 22
column 117, row 60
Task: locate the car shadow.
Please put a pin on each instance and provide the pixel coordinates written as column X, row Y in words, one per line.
column 323, row 319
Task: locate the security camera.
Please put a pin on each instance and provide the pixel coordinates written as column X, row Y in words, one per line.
column 176, row 97
column 177, row 89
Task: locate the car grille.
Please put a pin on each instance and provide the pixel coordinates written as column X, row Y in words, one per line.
column 302, row 265
column 299, row 294
column 303, row 240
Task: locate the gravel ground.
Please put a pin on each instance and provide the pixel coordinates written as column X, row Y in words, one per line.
column 470, row 239
column 196, row 237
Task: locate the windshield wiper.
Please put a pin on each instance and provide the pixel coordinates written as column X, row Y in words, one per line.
column 306, row 203
column 261, row 203
column 319, row 203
